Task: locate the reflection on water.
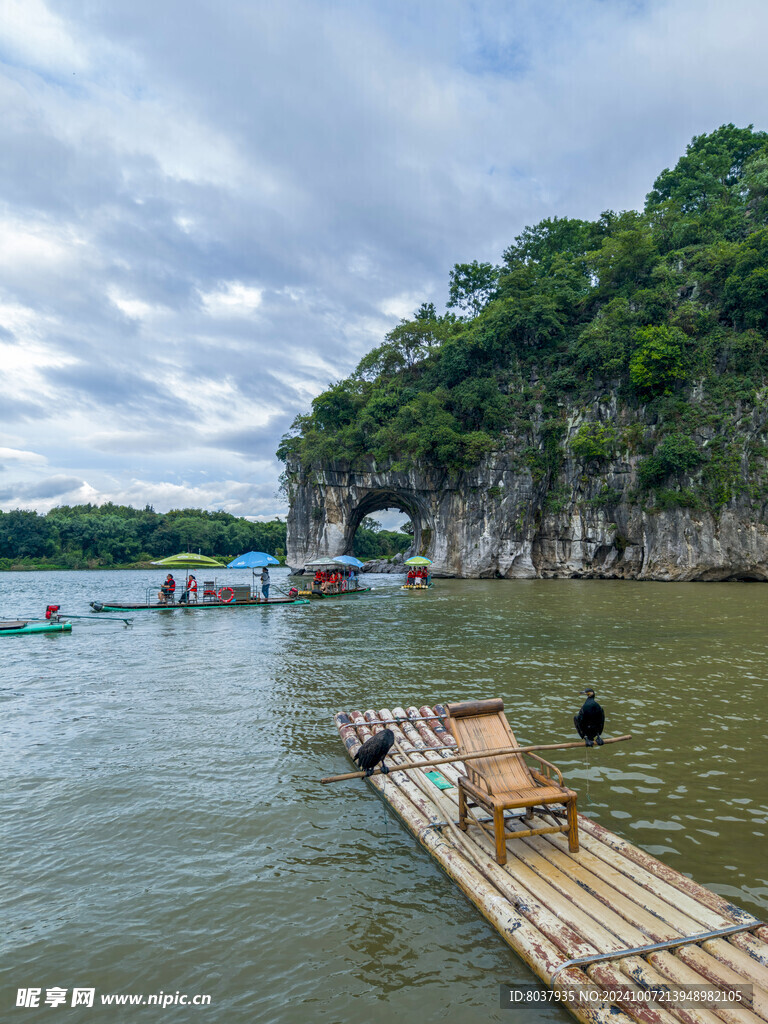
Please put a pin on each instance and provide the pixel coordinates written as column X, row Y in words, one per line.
column 164, row 829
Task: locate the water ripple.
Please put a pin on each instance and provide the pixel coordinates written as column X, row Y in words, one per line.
column 164, row 829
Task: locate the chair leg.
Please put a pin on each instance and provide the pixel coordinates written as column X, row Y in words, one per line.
column 501, row 842
column 573, row 827
column 528, row 813
column 462, row 809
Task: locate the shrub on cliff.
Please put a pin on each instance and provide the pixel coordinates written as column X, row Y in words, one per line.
column 657, row 365
column 745, row 295
column 676, row 454
column 594, row 441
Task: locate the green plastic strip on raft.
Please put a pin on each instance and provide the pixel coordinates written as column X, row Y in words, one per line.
column 439, row 780
column 31, row 627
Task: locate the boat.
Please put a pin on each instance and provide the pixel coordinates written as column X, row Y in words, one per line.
column 18, row 627
column 419, row 576
column 213, row 595
column 333, row 577
column 106, row 606
column 348, row 592
column 615, row 935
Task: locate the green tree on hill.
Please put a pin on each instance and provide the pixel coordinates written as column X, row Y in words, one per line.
column 472, row 286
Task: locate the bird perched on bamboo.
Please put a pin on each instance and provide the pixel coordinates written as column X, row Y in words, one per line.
column 590, row 720
column 374, row 750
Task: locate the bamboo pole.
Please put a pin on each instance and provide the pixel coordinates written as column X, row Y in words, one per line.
column 465, row 757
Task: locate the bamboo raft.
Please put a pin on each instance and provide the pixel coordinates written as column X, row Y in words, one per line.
column 608, row 917
column 316, row 594
column 119, row 606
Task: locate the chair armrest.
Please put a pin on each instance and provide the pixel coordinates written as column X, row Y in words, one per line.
column 547, row 764
column 477, row 778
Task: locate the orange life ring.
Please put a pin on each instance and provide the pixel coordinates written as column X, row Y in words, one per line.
column 226, row 600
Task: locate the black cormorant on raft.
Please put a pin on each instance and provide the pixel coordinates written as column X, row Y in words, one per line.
column 590, row 720
column 375, row 750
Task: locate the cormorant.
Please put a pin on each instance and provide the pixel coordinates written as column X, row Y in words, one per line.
column 374, row 750
column 590, row 720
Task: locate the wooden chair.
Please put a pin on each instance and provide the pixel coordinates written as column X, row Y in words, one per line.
column 504, row 781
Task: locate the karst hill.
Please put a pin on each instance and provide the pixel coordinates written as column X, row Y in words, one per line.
column 594, row 406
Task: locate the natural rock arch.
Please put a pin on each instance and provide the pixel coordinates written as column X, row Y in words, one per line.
column 498, row 519
column 376, row 500
column 328, row 504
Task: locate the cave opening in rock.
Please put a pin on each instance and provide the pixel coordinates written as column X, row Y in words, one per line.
column 384, row 524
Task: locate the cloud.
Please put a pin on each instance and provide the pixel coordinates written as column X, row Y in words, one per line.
column 257, row 445
column 233, row 298
column 51, row 487
column 207, row 217
column 118, row 388
column 13, row 409
column 19, row 455
column 34, row 34
column 233, row 496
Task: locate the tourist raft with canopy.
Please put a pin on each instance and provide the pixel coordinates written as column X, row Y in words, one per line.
column 334, row 577
column 616, row 935
column 206, row 593
column 419, row 576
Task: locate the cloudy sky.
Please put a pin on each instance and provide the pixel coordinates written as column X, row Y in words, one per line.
column 211, row 210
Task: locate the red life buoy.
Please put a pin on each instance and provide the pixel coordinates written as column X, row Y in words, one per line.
column 226, row 600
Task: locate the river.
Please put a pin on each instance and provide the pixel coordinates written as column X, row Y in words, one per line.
column 163, row 826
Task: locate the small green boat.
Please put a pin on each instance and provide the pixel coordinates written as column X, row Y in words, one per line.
column 17, row 627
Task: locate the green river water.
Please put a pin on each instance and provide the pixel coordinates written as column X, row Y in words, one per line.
column 163, row 829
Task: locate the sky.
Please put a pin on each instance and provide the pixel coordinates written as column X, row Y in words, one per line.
column 209, row 212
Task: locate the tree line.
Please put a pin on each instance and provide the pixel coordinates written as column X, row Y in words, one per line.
column 94, row 536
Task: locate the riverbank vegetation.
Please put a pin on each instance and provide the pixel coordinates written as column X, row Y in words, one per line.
column 119, row 536
column 657, row 317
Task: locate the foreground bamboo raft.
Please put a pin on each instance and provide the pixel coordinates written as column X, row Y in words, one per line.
column 608, row 918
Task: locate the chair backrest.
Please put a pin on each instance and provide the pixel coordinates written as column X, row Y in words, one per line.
column 479, row 725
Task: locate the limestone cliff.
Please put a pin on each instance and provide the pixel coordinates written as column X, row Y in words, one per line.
column 544, row 512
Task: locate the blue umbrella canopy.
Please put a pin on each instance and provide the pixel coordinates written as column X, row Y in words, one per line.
column 253, row 560
column 349, row 560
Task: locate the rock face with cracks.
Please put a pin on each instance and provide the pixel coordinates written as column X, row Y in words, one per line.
column 505, row 519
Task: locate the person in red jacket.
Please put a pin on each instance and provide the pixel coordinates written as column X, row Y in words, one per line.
column 190, row 592
column 167, row 590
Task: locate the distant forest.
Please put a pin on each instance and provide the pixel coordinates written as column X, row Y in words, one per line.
column 102, row 536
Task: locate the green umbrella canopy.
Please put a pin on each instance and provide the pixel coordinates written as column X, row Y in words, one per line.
column 189, row 560
column 418, row 560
